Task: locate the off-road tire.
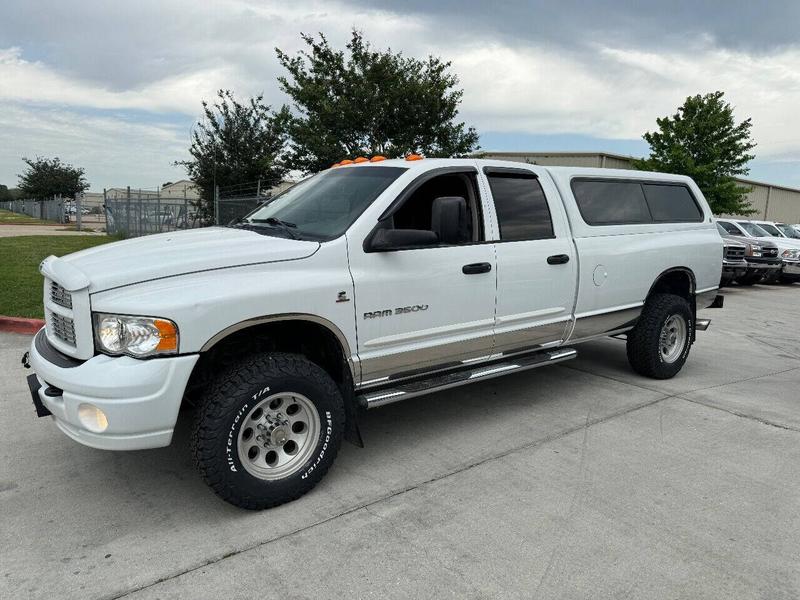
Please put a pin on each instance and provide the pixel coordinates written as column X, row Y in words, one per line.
column 643, row 341
column 222, row 412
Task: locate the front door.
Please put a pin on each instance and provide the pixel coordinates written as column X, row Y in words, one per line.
column 425, row 308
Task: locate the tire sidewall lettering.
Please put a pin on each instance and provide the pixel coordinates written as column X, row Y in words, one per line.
column 231, row 454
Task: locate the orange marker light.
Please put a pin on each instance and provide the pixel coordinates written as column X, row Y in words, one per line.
column 346, row 161
column 168, row 334
column 413, row 157
column 361, row 159
column 377, row 158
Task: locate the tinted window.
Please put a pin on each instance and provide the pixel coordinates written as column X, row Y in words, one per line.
column 522, row 211
column 611, row 202
column 325, row 205
column 671, row 203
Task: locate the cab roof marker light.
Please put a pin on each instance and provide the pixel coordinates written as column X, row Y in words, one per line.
column 361, row 159
column 413, row 157
column 377, row 158
column 346, row 161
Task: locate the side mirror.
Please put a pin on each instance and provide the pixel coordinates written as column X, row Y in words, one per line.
column 393, row 239
column 449, row 219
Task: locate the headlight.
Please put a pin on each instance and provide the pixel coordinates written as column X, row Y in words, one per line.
column 791, row 253
column 753, row 250
column 135, row 336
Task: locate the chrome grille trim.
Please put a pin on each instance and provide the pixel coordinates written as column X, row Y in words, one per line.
column 60, row 296
column 63, row 328
column 734, row 252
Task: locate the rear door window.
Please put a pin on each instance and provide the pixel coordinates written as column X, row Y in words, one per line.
column 522, row 211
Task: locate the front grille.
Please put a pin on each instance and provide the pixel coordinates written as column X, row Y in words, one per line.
column 60, row 296
column 63, row 328
column 734, row 252
column 769, row 252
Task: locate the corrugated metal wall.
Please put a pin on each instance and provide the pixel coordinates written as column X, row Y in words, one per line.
column 772, row 203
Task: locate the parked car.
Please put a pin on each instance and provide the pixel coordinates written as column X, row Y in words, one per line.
column 734, row 265
column 761, row 255
column 367, row 284
column 755, row 234
column 789, row 255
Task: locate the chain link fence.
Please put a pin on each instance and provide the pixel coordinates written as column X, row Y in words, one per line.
column 135, row 213
column 50, row 209
column 232, row 202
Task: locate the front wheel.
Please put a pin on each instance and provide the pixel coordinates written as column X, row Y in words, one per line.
column 268, row 430
column 659, row 344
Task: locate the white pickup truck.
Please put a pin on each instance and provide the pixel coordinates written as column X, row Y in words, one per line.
column 371, row 282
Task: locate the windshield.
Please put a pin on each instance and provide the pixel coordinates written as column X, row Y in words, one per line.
column 753, row 229
column 770, row 229
column 788, row 231
column 322, row 207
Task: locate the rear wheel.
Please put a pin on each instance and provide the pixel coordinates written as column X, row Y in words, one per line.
column 268, row 430
column 659, row 344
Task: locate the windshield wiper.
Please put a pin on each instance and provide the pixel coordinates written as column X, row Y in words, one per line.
column 284, row 225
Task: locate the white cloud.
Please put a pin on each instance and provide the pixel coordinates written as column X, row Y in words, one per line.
column 512, row 84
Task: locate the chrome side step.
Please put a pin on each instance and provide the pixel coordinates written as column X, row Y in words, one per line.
column 702, row 324
column 436, row 383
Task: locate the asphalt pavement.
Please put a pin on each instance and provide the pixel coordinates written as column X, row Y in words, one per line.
column 581, row 480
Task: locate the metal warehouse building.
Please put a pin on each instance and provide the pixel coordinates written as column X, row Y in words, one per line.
column 773, row 202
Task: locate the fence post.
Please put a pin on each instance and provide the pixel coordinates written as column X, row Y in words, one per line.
column 78, row 206
column 258, row 188
column 105, row 210
column 216, row 205
column 185, row 210
column 158, row 210
column 128, row 214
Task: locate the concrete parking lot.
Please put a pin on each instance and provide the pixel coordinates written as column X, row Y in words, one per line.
column 574, row 481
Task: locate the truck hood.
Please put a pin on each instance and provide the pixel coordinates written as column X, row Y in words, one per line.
column 178, row 253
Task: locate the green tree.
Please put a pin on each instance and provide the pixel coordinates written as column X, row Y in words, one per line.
column 5, row 193
column 702, row 140
column 236, row 143
column 360, row 102
column 47, row 177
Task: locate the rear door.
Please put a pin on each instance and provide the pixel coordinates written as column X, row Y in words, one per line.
column 536, row 263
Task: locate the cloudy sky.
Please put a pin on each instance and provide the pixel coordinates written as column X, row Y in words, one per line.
column 115, row 87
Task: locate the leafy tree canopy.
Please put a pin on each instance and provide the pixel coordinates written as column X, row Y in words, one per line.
column 235, row 143
column 48, row 177
column 362, row 102
column 702, row 140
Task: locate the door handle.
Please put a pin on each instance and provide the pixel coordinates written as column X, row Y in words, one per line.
column 558, row 259
column 475, row 268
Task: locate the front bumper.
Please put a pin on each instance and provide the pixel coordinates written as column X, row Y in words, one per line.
column 140, row 398
column 791, row 267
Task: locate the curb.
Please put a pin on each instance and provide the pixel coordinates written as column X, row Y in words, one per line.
column 20, row 325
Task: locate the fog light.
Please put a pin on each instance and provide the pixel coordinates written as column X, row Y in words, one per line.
column 92, row 418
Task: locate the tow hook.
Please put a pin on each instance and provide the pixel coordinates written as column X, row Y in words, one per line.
column 25, row 360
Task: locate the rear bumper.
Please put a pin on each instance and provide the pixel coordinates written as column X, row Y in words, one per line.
column 139, row 398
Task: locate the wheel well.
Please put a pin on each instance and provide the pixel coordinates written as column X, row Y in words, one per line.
column 297, row 336
column 679, row 281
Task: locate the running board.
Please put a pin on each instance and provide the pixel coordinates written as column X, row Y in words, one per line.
column 436, row 383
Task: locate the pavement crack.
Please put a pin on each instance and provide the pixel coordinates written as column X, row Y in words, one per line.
column 737, row 413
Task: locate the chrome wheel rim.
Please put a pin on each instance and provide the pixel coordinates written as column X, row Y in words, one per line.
column 673, row 338
column 278, row 436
